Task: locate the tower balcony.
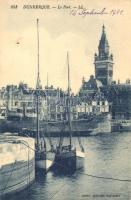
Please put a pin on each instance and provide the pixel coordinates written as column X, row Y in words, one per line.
column 103, row 58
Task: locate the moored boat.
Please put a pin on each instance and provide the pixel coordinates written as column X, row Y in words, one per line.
column 17, row 163
column 67, row 157
column 42, row 159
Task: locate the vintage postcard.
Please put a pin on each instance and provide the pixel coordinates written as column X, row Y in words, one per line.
column 65, row 100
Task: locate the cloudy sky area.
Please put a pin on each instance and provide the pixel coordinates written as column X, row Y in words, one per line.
column 61, row 32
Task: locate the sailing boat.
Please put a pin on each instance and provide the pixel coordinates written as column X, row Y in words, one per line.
column 67, row 157
column 43, row 158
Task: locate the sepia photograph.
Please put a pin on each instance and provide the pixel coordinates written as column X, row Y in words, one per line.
column 65, row 100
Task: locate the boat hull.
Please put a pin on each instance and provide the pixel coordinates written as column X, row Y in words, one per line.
column 43, row 165
column 44, row 162
column 69, row 162
column 80, row 159
column 21, row 178
column 17, row 170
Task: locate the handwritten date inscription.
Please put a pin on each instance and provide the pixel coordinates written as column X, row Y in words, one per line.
column 89, row 12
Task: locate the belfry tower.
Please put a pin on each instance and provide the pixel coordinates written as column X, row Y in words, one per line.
column 104, row 61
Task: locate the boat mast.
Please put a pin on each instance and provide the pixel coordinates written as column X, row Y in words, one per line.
column 47, row 85
column 49, row 137
column 68, row 102
column 37, row 88
column 47, row 81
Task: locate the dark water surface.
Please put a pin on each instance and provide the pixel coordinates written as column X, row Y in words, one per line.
column 106, row 156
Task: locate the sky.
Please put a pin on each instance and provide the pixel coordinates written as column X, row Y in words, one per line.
column 61, row 31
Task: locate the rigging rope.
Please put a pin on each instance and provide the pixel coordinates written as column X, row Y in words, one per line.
column 104, row 177
column 91, row 175
column 96, row 176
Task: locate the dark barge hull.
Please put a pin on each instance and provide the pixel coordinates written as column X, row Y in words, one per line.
column 68, row 162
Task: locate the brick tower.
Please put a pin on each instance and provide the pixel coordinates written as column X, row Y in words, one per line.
column 104, row 61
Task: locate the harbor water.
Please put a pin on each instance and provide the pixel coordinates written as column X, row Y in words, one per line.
column 106, row 174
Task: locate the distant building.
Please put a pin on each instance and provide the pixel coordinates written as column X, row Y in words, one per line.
column 20, row 101
column 89, row 88
column 104, row 61
column 120, row 95
column 53, row 93
column 2, row 96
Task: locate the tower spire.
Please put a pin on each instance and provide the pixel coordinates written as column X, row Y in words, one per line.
column 103, row 44
column 103, row 28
